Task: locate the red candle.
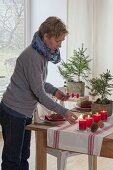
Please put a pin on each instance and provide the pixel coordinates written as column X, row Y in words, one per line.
column 97, row 117
column 104, row 115
column 72, row 95
column 82, row 123
column 77, row 95
column 89, row 121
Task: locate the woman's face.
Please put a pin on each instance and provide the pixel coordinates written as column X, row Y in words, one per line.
column 53, row 42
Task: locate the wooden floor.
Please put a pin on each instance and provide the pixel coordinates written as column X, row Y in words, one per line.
column 78, row 162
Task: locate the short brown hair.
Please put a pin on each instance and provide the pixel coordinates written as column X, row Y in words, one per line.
column 53, row 26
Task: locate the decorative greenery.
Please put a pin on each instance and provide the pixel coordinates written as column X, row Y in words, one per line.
column 101, row 87
column 76, row 67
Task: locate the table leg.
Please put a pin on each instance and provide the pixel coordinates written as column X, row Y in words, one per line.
column 92, row 161
column 41, row 153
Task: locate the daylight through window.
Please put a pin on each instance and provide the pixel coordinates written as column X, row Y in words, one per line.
column 11, row 37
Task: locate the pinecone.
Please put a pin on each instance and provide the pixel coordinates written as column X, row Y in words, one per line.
column 94, row 127
column 100, row 124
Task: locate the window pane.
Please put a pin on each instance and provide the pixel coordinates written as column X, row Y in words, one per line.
column 11, row 37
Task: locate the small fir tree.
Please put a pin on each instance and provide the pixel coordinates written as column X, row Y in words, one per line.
column 77, row 66
column 101, row 87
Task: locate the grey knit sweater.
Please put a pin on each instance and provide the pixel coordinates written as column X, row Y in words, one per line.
column 28, row 87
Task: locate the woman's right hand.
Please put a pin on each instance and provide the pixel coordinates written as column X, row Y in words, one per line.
column 71, row 117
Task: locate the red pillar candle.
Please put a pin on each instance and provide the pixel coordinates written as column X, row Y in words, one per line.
column 104, row 115
column 82, row 123
column 97, row 117
column 89, row 121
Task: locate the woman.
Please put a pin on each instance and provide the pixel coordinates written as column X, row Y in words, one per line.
column 28, row 87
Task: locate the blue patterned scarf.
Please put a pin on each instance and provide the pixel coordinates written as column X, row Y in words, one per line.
column 41, row 48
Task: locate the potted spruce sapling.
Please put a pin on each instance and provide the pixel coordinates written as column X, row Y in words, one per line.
column 100, row 88
column 75, row 71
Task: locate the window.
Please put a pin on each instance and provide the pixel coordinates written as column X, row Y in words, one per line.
column 12, row 37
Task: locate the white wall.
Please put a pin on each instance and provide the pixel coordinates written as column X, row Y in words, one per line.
column 40, row 10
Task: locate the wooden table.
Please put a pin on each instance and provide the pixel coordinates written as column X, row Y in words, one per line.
column 41, row 146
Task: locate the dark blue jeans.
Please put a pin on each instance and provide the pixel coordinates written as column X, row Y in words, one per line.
column 16, row 149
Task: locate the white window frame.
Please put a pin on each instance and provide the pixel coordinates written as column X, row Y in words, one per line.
column 27, row 22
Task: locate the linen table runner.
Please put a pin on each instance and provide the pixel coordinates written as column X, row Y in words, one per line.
column 68, row 137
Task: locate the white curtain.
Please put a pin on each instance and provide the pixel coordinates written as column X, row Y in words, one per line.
column 80, row 25
column 103, row 36
column 91, row 22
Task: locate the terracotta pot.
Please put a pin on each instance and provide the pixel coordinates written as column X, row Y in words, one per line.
column 95, row 107
column 76, row 87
